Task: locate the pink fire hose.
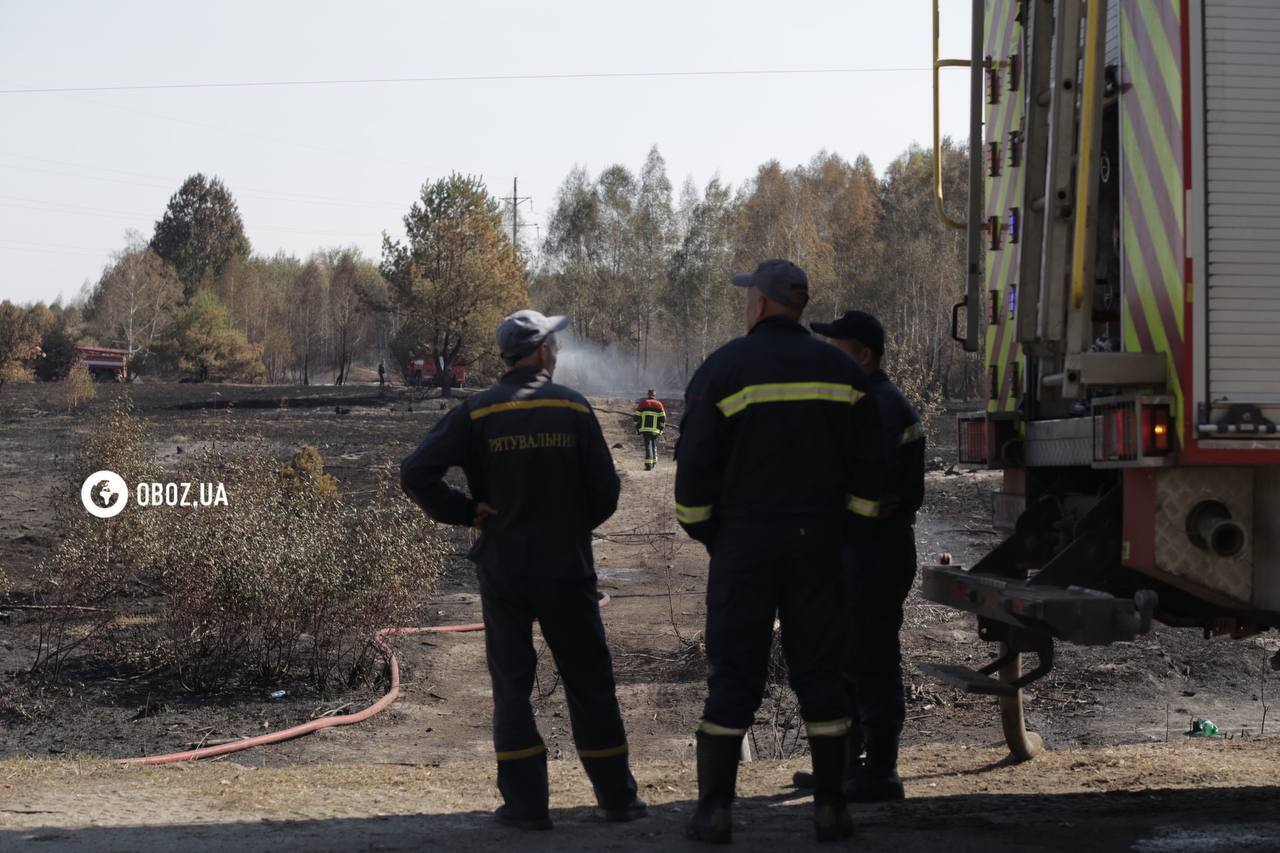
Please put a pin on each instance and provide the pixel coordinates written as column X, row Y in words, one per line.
column 326, row 722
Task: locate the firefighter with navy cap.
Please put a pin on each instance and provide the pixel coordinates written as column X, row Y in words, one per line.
column 879, row 572
column 540, row 478
column 651, row 420
column 776, row 463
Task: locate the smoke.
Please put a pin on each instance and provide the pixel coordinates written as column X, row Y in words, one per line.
column 608, row 370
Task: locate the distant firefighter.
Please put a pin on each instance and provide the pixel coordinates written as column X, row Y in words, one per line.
column 651, row 420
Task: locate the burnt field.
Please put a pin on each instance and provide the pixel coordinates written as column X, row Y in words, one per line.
column 1136, row 694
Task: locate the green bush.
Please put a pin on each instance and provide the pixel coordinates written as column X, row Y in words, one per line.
column 202, row 346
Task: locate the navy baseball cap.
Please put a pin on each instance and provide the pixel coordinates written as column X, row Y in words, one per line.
column 781, row 281
column 524, row 331
column 856, row 326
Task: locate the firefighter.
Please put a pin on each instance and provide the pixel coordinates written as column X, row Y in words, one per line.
column 879, row 572
column 777, row 447
column 651, row 421
column 541, row 478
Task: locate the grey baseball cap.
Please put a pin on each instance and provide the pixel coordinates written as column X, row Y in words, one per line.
column 522, row 332
column 781, row 281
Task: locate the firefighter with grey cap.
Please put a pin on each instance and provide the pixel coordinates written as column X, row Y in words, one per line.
column 776, row 463
column 539, row 479
column 879, row 571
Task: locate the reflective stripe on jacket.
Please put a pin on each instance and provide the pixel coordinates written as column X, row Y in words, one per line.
column 650, row 421
column 534, row 451
column 777, row 423
column 651, row 416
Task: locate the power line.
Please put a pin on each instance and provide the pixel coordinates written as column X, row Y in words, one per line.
column 59, row 252
column 53, row 245
column 243, row 133
column 476, row 78
column 250, row 134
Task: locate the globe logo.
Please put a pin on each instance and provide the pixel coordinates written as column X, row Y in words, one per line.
column 104, row 494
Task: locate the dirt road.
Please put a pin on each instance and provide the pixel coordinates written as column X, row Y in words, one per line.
column 1149, row 799
column 1121, row 775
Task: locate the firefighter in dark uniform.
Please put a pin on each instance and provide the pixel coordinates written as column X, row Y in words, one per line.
column 777, row 458
column 651, row 420
column 879, row 572
column 541, row 478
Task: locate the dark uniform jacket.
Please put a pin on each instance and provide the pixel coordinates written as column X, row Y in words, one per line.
column 904, row 443
column 777, row 423
column 532, row 450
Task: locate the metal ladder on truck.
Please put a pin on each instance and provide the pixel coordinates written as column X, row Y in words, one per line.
column 1025, row 594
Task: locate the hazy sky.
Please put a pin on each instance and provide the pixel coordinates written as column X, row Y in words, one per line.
column 326, row 165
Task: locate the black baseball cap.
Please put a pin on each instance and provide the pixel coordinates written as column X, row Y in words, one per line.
column 781, row 281
column 856, row 326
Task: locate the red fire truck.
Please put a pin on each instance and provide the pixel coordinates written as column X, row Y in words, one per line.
column 1124, row 288
column 105, row 364
column 423, row 371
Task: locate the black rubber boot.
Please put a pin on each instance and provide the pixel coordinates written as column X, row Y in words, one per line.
column 615, row 788
column 853, row 763
column 717, row 783
column 831, row 821
column 877, row 781
column 523, row 785
column 507, row 817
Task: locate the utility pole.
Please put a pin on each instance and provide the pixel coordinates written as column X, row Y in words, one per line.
column 515, row 199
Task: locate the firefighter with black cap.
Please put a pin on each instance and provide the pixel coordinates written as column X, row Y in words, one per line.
column 879, row 572
column 777, row 456
column 541, row 478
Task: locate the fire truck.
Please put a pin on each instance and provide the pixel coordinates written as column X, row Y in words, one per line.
column 105, row 364
column 1123, row 287
column 423, row 371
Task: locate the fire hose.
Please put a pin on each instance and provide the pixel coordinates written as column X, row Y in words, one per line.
column 307, row 728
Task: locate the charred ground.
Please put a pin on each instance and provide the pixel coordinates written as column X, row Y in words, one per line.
column 1139, row 693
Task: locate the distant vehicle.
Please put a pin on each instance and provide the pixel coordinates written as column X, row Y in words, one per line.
column 423, row 371
column 105, row 364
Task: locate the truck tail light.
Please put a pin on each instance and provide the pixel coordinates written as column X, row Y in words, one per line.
column 1155, row 430
column 1132, row 430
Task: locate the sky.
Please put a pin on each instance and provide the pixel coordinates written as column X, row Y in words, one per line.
column 338, row 164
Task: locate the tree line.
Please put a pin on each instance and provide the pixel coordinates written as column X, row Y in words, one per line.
column 644, row 270
column 639, row 268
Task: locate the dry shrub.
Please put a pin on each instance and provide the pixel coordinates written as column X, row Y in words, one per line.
column 97, row 561
column 917, row 384
column 13, row 373
column 288, row 579
column 304, row 473
column 284, row 581
column 779, row 735
column 76, row 387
